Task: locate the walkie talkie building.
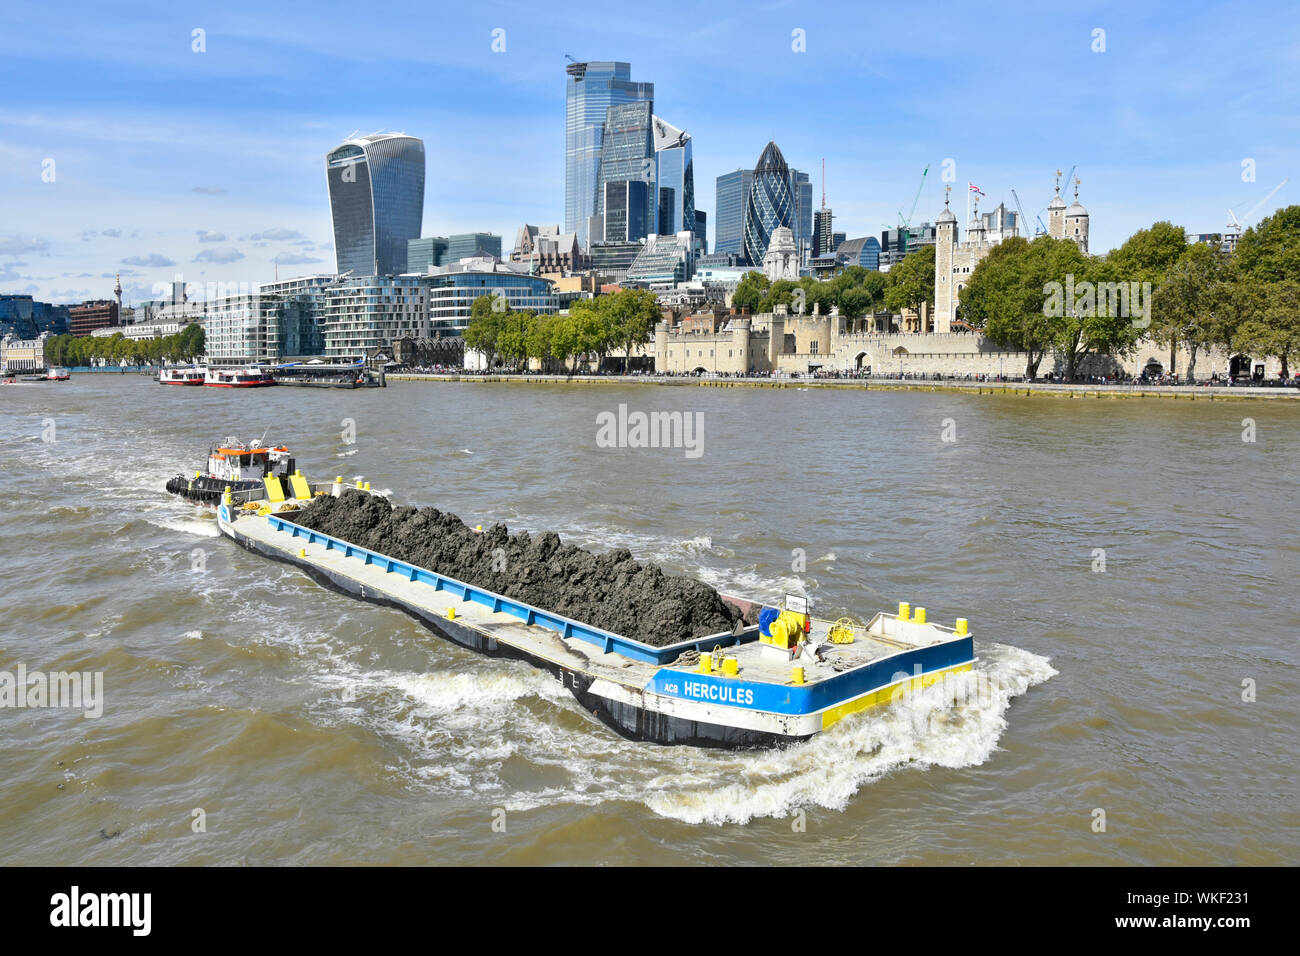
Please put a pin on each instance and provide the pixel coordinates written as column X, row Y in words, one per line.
column 376, row 186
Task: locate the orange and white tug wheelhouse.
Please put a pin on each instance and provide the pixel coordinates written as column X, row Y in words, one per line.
column 236, row 465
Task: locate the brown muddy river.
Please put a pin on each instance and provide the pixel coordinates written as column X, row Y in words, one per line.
column 310, row 728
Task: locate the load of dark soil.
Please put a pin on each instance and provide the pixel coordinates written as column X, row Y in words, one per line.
column 610, row 591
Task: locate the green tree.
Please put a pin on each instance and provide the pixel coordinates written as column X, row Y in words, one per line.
column 780, row 292
column 1270, row 250
column 911, row 282
column 631, row 315
column 512, row 342
column 1182, row 307
column 1149, row 254
column 854, row 302
column 1274, row 329
column 1095, row 321
column 483, row 328
column 593, row 327
column 750, row 291
column 562, row 338
column 537, row 340
column 1004, row 296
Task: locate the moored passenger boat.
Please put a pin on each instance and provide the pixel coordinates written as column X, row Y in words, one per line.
column 327, row 375
column 249, row 376
column 182, row 375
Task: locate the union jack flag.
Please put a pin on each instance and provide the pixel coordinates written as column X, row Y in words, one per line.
column 975, row 189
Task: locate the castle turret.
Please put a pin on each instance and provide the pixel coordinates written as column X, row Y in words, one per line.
column 975, row 231
column 945, row 244
column 1056, row 212
column 1076, row 222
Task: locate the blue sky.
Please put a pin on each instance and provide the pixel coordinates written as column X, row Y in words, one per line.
column 211, row 164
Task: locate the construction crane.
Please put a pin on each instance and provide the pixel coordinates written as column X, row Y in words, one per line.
column 905, row 223
column 1071, row 176
column 1020, row 211
column 1235, row 225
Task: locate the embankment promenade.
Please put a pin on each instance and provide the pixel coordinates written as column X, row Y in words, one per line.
column 1056, row 389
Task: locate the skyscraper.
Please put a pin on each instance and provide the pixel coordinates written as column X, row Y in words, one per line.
column 625, row 216
column 801, row 190
column 729, row 211
column 822, row 232
column 771, row 203
column 675, row 177
column 591, row 89
column 627, row 156
column 376, row 186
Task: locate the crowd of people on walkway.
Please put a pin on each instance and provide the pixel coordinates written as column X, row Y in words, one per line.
column 867, row 374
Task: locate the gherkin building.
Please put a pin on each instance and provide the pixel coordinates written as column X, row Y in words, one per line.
column 770, row 203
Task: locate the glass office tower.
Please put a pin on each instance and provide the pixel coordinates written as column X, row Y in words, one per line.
column 376, row 187
column 626, row 214
column 591, row 89
column 627, row 156
column 771, row 203
column 801, row 190
column 675, row 177
column 729, row 211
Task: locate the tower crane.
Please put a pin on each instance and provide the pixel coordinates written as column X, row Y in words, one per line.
column 1235, row 225
column 1020, row 211
column 904, row 223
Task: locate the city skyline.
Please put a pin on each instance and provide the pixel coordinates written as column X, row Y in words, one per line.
column 208, row 163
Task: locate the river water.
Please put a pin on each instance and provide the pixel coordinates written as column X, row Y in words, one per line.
column 290, row 724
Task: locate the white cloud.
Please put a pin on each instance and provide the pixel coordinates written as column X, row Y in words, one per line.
column 16, row 245
column 293, row 259
column 219, row 255
column 276, row 235
column 152, row 261
column 210, row 190
column 206, row 236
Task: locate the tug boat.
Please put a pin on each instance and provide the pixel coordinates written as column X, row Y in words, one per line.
column 183, row 375
column 250, row 376
column 235, row 465
column 778, row 682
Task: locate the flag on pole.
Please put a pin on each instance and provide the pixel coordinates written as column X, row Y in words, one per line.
column 975, row 189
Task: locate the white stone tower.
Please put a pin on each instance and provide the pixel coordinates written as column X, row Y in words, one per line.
column 1056, row 212
column 945, row 245
column 1076, row 222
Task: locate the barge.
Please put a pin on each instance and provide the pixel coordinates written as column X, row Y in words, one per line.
column 780, row 681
